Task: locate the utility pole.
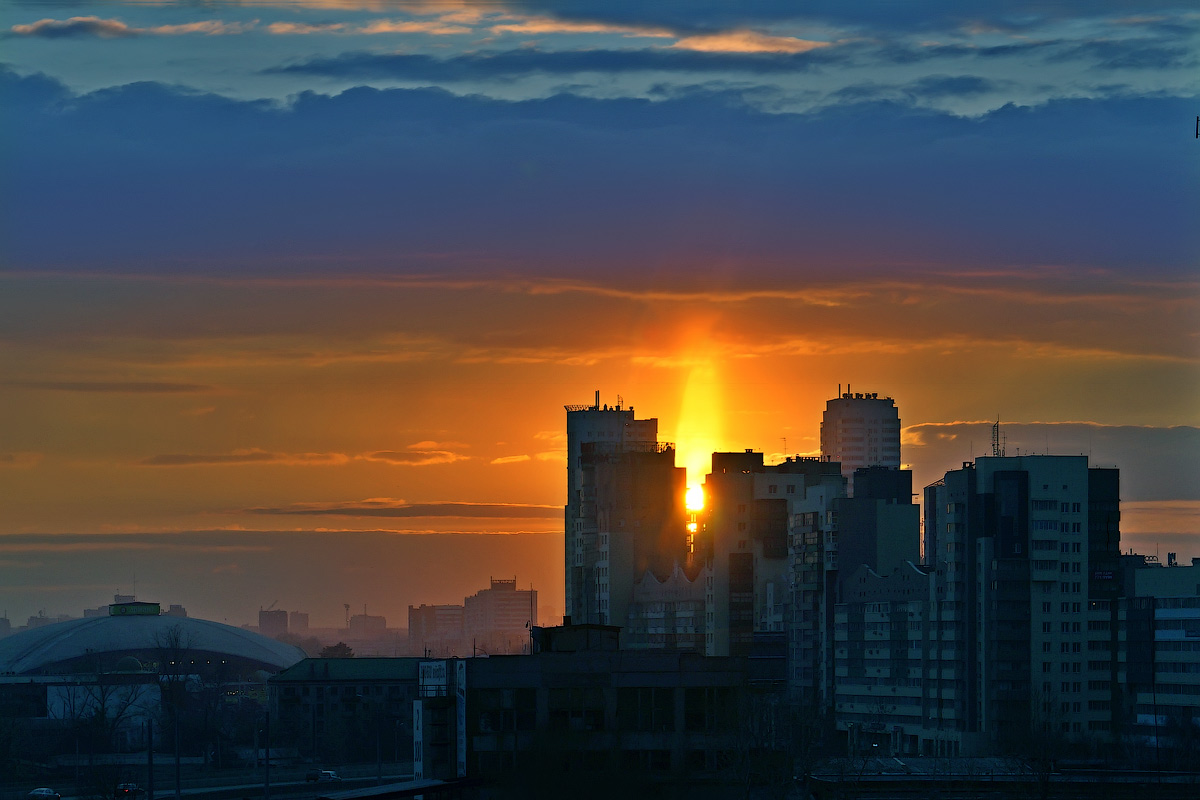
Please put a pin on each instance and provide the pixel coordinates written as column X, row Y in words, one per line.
column 267, row 770
column 150, row 759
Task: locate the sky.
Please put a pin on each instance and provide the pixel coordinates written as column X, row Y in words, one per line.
column 292, row 294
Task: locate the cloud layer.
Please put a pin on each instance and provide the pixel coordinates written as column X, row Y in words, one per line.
column 693, row 182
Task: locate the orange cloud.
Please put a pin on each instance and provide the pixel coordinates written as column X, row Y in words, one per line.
column 509, row 459
column 304, row 28
column 249, row 456
column 541, row 25
column 746, row 41
column 432, row 28
column 416, row 458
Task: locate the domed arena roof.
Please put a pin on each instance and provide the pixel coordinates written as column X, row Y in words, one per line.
column 99, row 643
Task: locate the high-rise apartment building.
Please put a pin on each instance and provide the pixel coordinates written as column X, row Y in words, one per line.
column 1159, row 690
column 1024, row 550
column 861, row 430
column 744, row 538
column 612, row 460
column 832, row 536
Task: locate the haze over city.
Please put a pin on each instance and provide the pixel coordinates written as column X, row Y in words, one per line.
column 292, row 294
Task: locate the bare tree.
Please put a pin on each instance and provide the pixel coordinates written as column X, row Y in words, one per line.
column 100, row 711
column 175, row 647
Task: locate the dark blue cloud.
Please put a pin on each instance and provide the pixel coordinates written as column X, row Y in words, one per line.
column 526, row 61
column 1130, row 54
column 923, row 89
column 147, row 176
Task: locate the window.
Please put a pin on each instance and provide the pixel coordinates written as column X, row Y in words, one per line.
column 791, row 489
column 773, row 489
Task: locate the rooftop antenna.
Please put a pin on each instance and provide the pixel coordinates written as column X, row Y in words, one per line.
column 997, row 444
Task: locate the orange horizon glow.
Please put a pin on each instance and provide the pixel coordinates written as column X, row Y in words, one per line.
column 694, row 499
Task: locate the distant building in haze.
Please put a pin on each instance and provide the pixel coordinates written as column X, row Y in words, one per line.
column 861, row 430
column 298, row 621
column 436, row 629
column 272, row 622
column 499, row 619
column 367, row 626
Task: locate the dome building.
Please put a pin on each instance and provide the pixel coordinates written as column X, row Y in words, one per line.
column 123, row 666
column 140, row 631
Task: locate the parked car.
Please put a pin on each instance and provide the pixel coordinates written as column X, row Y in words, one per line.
column 44, row 794
column 321, row 776
column 129, row 791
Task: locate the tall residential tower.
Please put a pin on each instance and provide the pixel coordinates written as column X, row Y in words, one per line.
column 861, row 430
column 603, row 431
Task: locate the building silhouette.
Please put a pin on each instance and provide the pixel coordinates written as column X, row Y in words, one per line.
column 615, row 430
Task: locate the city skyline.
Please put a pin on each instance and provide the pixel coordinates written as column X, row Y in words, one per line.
column 292, row 294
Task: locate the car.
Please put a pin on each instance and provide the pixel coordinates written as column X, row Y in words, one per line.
column 129, row 791
column 44, row 794
column 321, row 776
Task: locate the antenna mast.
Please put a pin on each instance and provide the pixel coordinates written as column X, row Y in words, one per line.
column 997, row 446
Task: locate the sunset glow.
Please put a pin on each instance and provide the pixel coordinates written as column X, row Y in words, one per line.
column 700, row 425
column 695, row 498
column 293, row 292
